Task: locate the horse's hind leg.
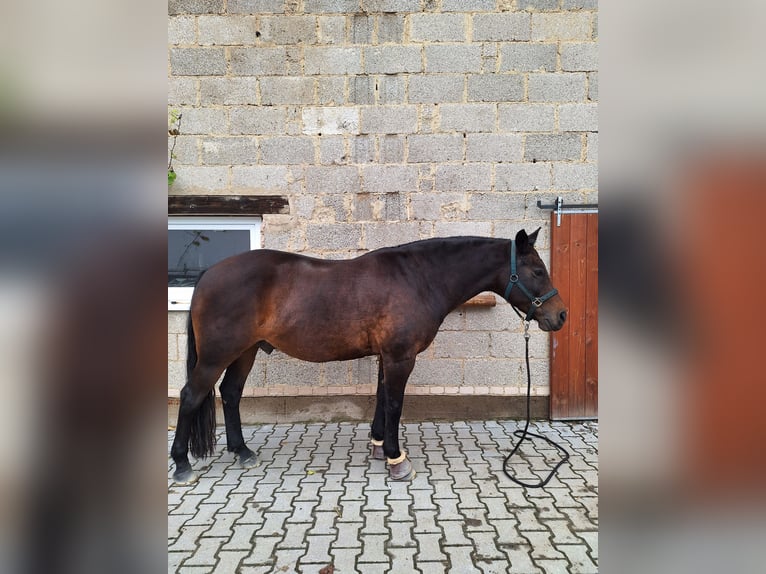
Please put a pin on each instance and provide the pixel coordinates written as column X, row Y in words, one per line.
column 231, row 393
column 395, row 375
column 196, row 421
column 379, row 422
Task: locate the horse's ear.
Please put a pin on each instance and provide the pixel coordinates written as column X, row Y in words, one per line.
column 533, row 237
column 522, row 241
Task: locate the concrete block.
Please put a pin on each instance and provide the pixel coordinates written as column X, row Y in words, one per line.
column 288, row 29
column 491, row 373
column 258, row 120
column 578, row 117
column 331, row 6
column 255, row 6
column 495, row 88
column 332, row 29
column 467, row 177
column 332, row 150
column 389, row 178
column 182, row 91
column 467, row 117
column 561, row 26
column 203, row 121
column 493, row 147
column 201, row 179
column 453, row 228
column 334, row 236
column 390, row 120
column 333, row 60
column 458, row 345
column 226, row 30
column 523, row 177
column 468, row 5
column 392, row 59
column 362, row 28
column 331, row 90
column 287, row 150
column 197, row 61
column 453, row 58
column 503, row 27
column 177, row 321
column 434, row 148
column 363, row 149
column 229, row 151
column 390, row 28
column 391, row 149
column 526, row 117
column 537, row 4
column 557, row 87
column 292, row 372
column 524, row 57
column 496, row 206
column 181, row 30
column 259, row 177
column 434, row 206
column 579, row 4
column 553, row 147
column 592, row 143
column 195, row 7
column 280, row 90
column 430, row 27
column 330, row 120
column 335, row 179
column 435, row 88
column 575, row 176
column 185, row 151
column 579, row 57
column 390, row 89
column 390, row 5
column 228, row 91
column 593, row 86
column 379, row 235
column 260, row 61
column 361, row 90
column 437, row 372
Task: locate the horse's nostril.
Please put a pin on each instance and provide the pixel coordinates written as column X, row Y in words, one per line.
column 563, row 316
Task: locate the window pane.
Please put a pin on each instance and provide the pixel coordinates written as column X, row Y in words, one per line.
column 191, row 251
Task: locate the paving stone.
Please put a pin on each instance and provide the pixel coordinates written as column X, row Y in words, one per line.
column 579, row 559
column 461, row 560
column 460, row 514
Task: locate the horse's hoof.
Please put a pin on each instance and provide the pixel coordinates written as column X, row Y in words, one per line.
column 377, row 451
column 401, row 471
column 248, row 461
column 187, row 476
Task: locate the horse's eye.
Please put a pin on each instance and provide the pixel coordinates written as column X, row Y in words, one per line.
column 538, row 272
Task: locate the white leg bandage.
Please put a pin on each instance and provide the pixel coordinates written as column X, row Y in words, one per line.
column 399, row 459
column 376, row 442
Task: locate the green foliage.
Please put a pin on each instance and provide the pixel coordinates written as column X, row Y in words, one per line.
column 174, row 129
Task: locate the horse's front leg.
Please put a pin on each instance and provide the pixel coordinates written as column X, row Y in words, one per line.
column 395, row 375
column 379, row 422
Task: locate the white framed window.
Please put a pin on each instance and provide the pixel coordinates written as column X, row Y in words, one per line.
column 196, row 243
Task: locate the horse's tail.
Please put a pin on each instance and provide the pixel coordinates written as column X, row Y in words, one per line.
column 202, row 436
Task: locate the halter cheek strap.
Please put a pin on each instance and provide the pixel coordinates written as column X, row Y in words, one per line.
column 514, row 281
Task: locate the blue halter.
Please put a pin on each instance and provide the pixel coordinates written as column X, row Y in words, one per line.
column 514, row 281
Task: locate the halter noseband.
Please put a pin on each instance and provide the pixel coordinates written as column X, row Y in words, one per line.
column 515, row 281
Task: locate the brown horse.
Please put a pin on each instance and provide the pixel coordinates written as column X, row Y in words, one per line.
column 389, row 302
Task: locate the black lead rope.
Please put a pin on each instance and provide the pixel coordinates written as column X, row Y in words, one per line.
column 524, row 434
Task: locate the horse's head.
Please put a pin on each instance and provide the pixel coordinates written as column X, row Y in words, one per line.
column 529, row 287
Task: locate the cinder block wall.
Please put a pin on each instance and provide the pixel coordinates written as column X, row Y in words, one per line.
column 387, row 121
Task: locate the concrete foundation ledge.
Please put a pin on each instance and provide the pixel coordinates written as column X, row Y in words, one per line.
column 354, row 408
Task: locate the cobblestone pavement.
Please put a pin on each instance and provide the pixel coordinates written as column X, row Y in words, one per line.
column 317, row 499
